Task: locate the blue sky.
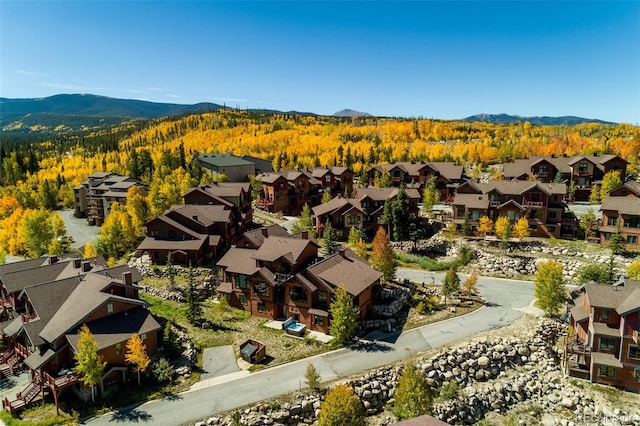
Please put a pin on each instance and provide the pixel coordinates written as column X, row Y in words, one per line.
column 430, row 59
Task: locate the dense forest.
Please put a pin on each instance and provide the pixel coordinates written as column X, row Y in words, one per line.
column 41, row 174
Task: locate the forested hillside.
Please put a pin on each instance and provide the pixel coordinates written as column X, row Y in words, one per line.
column 159, row 152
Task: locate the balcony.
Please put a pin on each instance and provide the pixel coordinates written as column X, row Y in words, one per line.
column 584, row 173
column 494, row 203
column 529, row 203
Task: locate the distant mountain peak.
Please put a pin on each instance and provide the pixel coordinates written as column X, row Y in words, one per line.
column 568, row 120
column 351, row 113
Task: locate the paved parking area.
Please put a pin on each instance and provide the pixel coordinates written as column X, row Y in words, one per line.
column 218, row 361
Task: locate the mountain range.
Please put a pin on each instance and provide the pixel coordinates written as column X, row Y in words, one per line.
column 69, row 112
column 568, row 120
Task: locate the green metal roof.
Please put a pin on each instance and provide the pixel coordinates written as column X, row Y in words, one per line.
column 223, row 160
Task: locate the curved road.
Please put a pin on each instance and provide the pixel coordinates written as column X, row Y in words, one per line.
column 505, row 300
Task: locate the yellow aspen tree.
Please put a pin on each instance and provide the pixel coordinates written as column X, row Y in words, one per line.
column 485, row 225
column 137, row 355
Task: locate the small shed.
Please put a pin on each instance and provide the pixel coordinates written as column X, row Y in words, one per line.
column 253, row 351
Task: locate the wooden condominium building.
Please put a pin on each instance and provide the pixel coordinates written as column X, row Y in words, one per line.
column 414, row 174
column 284, row 278
column 542, row 204
column 584, row 171
column 93, row 198
column 50, row 299
column 211, row 219
column 287, row 191
column 365, row 210
column 621, row 213
column 603, row 346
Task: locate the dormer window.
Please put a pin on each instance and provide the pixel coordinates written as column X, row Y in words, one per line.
column 109, row 308
column 604, row 315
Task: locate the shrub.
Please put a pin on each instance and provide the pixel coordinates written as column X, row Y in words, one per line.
column 413, row 397
column 341, row 407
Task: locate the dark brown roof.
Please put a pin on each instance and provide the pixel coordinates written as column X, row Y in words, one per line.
column 622, row 298
column 623, row 205
column 274, row 248
column 206, row 214
column 117, row 328
column 603, row 358
column 256, row 236
column 347, row 270
column 269, row 177
column 382, row 194
column 151, row 243
column 83, row 301
column 578, row 312
column 16, row 281
column 239, row 261
column 337, row 204
column 472, row 201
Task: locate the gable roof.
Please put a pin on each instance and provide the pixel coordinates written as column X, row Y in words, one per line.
column 117, row 328
column 622, row 298
column 623, row 205
column 472, row 201
column 270, row 177
column 21, row 278
column 206, row 215
column 81, row 302
column 273, row 248
column 257, row 236
column 345, row 269
column 336, row 204
column 239, row 261
column 382, row 194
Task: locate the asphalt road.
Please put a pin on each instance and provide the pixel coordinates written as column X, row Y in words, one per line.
column 505, row 299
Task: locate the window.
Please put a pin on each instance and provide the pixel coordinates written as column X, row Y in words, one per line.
column 553, row 215
column 118, row 348
column 460, row 213
column 632, row 222
column 262, row 308
column 607, row 236
column 606, row 371
column 607, row 344
column 143, row 336
column 583, row 168
column 353, row 219
column 636, row 375
column 327, row 178
column 612, row 221
column 604, row 314
column 109, row 308
column 318, row 320
column 262, row 289
column 241, row 281
column 511, row 214
column 243, row 299
column 632, row 239
column 322, row 297
column 297, row 294
column 475, row 215
column 634, row 352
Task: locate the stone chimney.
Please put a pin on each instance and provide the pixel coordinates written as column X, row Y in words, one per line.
column 127, row 278
column 86, row 266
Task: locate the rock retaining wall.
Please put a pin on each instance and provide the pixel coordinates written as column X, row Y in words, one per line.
column 493, row 375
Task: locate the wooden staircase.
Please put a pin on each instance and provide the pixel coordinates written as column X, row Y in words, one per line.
column 24, row 398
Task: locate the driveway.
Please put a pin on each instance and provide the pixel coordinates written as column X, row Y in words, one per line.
column 505, row 298
column 218, row 361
